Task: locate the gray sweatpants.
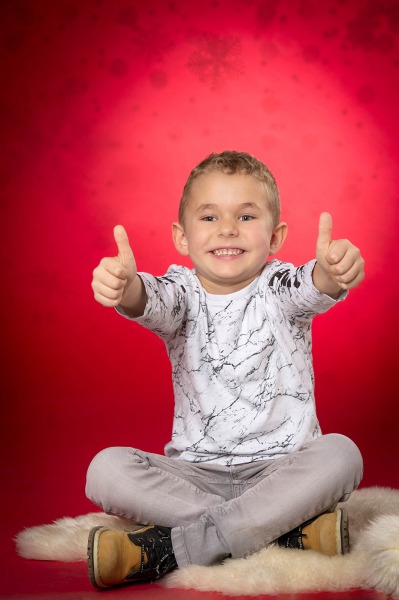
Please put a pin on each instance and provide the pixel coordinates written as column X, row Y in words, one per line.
column 217, row 511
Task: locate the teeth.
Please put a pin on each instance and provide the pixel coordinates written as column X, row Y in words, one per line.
column 227, row 252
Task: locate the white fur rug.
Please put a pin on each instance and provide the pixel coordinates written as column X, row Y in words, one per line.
column 373, row 562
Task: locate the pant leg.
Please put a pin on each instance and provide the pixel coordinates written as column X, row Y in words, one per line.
column 149, row 488
column 302, row 485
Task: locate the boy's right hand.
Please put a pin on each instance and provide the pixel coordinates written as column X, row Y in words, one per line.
column 113, row 279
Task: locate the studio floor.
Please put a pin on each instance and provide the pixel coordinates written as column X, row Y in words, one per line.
column 36, row 580
column 23, row 579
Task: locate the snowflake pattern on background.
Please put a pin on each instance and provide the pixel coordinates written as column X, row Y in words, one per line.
column 216, row 59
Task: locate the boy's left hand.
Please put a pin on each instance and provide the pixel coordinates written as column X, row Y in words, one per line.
column 339, row 265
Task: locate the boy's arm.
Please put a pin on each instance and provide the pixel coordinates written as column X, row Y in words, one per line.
column 339, row 265
column 115, row 280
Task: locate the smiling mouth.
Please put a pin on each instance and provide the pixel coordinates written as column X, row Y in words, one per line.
column 227, row 252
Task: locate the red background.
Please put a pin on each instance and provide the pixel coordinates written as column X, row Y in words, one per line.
column 105, row 108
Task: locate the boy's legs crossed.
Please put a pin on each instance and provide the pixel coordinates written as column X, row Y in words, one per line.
column 217, row 511
column 297, row 488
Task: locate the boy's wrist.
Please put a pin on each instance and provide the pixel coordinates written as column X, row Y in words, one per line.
column 134, row 299
column 324, row 282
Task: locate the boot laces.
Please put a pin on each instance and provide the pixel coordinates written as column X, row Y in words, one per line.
column 157, row 556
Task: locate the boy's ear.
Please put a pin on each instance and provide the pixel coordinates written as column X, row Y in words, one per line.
column 278, row 237
column 179, row 238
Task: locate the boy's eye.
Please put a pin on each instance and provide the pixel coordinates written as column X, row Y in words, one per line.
column 208, row 218
column 246, row 218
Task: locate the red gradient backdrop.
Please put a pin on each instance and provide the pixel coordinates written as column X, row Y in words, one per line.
column 105, row 108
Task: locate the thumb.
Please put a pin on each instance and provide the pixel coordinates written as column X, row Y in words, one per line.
column 325, row 231
column 125, row 253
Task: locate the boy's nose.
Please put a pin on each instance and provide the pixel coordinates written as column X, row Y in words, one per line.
column 228, row 227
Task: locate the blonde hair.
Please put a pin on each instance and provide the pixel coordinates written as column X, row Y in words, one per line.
column 232, row 162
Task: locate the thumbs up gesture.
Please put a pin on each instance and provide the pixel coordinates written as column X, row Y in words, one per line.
column 115, row 279
column 339, row 265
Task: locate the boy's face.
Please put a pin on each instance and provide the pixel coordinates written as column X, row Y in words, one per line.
column 228, row 231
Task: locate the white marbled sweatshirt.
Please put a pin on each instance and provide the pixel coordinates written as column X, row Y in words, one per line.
column 241, row 363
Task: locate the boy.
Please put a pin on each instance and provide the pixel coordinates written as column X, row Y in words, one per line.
column 247, row 464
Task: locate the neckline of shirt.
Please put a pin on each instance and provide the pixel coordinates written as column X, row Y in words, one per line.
column 223, row 299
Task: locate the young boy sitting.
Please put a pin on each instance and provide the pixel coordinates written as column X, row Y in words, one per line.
column 247, row 464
